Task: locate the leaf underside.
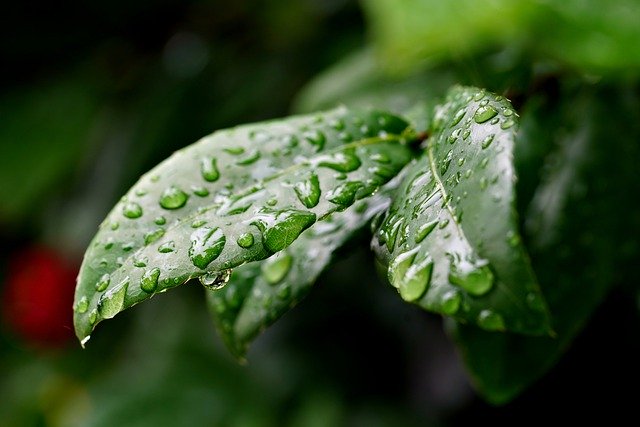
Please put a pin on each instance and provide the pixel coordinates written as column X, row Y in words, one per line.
column 450, row 238
column 237, row 196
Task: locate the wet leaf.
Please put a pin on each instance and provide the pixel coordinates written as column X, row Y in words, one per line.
column 579, row 249
column 450, row 238
column 232, row 198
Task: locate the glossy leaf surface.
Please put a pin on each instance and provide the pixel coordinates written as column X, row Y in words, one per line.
column 234, row 197
column 450, row 238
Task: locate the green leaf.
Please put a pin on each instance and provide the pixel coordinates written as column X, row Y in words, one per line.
column 583, row 227
column 232, row 198
column 259, row 293
column 410, row 33
column 450, row 238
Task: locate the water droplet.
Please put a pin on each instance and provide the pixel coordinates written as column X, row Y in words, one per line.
column 140, row 262
column 461, row 161
column 399, row 266
column 424, row 230
column 280, row 228
column 507, row 124
column 465, row 134
column 444, row 166
column 484, row 162
column 109, row 243
column 132, row 210
column 198, row 223
column 249, row 159
column 173, row 198
column 215, row 281
column 479, row 95
column 308, row 191
column 474, row 277
column 82, row 305
column 103, row 282
column 345, row 137
column 491, row 321
column 153, row 235
column 200, row 191
column 487, row 141
column 345, row 194
column 114, row 226
column 140, row 192
column 160, row 220
column 443, row 223
column 483, row 183
column 343, row 161
column 112, row 301
column 451, row 302
column 276, row 268
column 149, row 280
column 495, row 120
column 416, row 280
column 454, row 136
column 93, row 318
column 206, row 245
column 166, row 248
column 234, row 151
column 484, row 113
column 209, row 169
column 458, row 116
column 315, row 138
column 245, row 240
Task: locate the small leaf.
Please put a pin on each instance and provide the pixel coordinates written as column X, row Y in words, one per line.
column 261, row 292
column 245, row 210
column 450, row 238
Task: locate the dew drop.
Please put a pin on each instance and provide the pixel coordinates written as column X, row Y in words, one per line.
column 206, row 245
column 487, row 141
column 140, row 262
column 132, row 210
column 343, row 161
column 234, row 151
column 215, row 281
column 484, row 113
column 200, row 191
column 424, row 230
column 315, row 138
column 458, row 116
column 507, row 124
column 93, row 318
column 399, row 266
column 513, row 238
column 245, row 240
column 112, row 301
column 149, row 280
column 251, row 158
column 344, row 194
column 166, row 248
column 198, row 223
column 173, row 198
column 114, row 226
column 103, row 282
column 209, row 169
column 276, row 268
column 280, row 228
column 416, row 280
column 474, row 277
column 153, row 235
column 308, row 191
column 160, row 220
column 490, row 320
column 451, row 302
column 284, row 292
column 82, row 305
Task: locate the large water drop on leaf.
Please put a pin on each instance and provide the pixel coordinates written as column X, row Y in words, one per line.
column 215, row 281
column 206, row 245
column 275, row 269
column 308, row 191
column 173, row 198
column 112, row 301
column 474, row 277
column 280, row 228
column 209, row 169
column 132, row 210
column 149, row 280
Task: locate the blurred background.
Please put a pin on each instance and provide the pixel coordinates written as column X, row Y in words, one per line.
column 93, row 94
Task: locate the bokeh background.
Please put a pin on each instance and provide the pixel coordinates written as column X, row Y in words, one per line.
column 93, row 94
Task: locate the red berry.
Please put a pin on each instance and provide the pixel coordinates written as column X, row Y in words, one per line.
column 38, row 296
